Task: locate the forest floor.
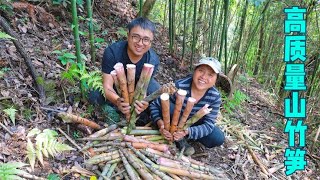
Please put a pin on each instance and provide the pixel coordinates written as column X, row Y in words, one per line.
column 258, row 122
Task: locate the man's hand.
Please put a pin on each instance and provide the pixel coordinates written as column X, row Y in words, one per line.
column 166, row 134
column 140, row 106
column 122, row 106
column 179, row 134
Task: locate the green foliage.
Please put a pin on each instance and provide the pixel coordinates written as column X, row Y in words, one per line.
column 93, row 79
column 76, row 134
column 3, row 71
column 11, row 112
column 98, row 42
column 53, row 176
column 46, row 144
column 65, row 57
column 9, row 171
column 111, row 114
column 27, row 113
column 121, row 32
column 5, row 36
column 5, row 6
column 66, row 3
column 235, row 103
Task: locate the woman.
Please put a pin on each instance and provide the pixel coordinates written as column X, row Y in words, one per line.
column 199, row 85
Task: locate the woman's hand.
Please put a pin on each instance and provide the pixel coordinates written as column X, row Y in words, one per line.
column 166, row 134
column 178, row 135
column 140, row 106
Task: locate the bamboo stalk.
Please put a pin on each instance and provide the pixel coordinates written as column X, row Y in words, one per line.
column 140, row 91
column 168, row 88
column 103, row 149
column 155, row 138
column 128, row 138
column 199, row 114
column 144, row 128
column 131, row 74
column 180, row 95
column 143, row 132
column 103, row 157
column 147, row 136
column 149, row 163
column 122, row 84
column 104, row 171
column 111, row 169
column 116, row 82
column 104, row 131
column 100, row 175
column 127, row 166
column 70, row 118
column 108, row 137
column 159, row 147
column 91, row 33
column 141, row 170
column 165, row 107
column 175, row 177
column 180, row 165
column 186, row 112
column 182, row 172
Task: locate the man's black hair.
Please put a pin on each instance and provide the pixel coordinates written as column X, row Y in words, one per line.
column 144, row 23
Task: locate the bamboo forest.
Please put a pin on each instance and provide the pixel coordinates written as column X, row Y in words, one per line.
column 159, row 89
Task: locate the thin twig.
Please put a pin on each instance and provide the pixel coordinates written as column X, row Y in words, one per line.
column 314, row 140
column 70, row 139
column 30, row 176
column 5, row 128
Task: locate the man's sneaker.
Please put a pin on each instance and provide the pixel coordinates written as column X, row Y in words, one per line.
column 188, row 151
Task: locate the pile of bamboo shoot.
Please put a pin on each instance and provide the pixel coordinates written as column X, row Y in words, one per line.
column 126, row 88
column 180, row 122
column 142, row 154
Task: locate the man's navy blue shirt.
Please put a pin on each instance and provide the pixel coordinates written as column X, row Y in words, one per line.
column 117, row 52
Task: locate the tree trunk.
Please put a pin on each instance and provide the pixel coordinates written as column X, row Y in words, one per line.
column 147, row 7
column 260, row 46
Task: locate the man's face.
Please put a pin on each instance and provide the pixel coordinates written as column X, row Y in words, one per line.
column 204, row 77
column 139, row 41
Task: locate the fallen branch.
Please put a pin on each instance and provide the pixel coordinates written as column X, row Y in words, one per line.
column 25, row 56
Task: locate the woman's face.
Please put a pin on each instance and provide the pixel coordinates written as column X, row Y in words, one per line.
column 204, row 77
column 139, row 41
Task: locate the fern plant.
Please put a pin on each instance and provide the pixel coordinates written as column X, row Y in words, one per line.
column 11, row 112
column 46, row 144
column 10, row 170
column 92, row 79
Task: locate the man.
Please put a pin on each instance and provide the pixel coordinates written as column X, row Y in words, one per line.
column 136, row 50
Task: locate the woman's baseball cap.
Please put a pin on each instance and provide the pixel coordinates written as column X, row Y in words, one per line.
column 212, row 62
